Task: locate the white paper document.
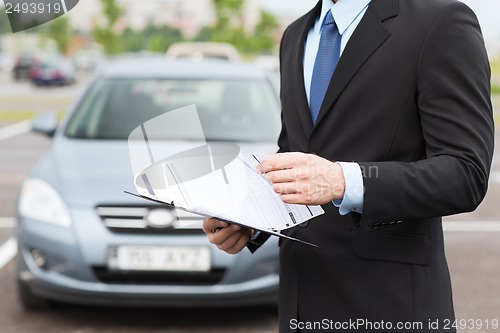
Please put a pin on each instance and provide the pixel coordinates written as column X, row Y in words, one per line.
column 226, row 186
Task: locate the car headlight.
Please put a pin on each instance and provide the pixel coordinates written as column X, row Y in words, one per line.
column 41, row 202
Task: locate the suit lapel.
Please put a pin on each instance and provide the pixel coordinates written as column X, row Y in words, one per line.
column 298, row 72
column 366, row 39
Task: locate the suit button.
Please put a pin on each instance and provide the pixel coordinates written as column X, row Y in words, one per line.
column 304, row 224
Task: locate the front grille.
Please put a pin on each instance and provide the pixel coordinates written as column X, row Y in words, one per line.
column 159, row 278
column 133, row 219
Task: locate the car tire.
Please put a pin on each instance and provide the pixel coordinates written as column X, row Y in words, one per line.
column 28, row 300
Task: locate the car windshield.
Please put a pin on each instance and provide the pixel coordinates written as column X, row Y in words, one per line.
column 229, row 110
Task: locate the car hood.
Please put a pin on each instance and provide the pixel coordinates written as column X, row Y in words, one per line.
column 95, row 172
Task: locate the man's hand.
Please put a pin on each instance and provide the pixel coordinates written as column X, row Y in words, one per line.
column 304, row 178
column 228, row 237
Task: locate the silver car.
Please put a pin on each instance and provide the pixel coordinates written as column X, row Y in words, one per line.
column 76, row 224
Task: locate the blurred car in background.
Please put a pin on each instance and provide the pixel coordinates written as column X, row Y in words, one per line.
column 22, row 66
column 6, row 62
column 81, row 239
column 87, row 60
column 52, row 71
column 268, row 62
column 198, row 51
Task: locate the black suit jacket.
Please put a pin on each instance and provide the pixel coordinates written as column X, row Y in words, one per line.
column 410, row 102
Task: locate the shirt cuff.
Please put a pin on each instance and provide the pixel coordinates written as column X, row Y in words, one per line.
column 354, row 189
column 255, row 235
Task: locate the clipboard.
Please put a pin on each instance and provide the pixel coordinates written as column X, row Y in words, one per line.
column 274, row 233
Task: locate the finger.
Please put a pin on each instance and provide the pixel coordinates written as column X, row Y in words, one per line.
column 288, row 175
column 235, row 227
column 296, row 199
column 230, row 241
column 222, row 235
column 287, row 188
column 212, row 224
column 240, row 244
column 281, row 162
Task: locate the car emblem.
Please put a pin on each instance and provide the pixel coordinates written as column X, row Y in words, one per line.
column 159, row 218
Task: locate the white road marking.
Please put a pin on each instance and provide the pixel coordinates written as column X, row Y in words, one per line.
column 7, row 222
column 495, row 176
column 15, row 129
column 467, row 226
column 8, row 251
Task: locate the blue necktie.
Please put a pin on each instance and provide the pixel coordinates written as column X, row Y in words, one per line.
column 326, row 60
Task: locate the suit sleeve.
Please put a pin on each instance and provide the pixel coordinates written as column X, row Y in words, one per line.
column 453, row 85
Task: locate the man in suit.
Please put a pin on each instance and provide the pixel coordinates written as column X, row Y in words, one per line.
column 400, row 134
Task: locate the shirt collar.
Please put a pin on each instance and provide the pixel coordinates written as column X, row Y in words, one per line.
column 344, row 12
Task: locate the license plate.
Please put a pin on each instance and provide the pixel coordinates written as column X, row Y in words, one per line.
column 160, row 258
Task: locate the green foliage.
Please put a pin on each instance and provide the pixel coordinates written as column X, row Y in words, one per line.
column 157, row 43
column 109, row 40
column 263, row 39
column 59, row 31
column 19, row 115
column 225, row 10
column 229, row 26
column 495, row 67
column 267, row 24
column 105, row 34
column 229, row 29
column 111, row 11
column 205, row 34
column 132, row 41
column 495, row 90
column 228, row 5
column 152, row 38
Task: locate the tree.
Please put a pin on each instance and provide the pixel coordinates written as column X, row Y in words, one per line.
column 132, row 41
column 105, row 34
column 263, row 39
column 205, row 34
column 59, row 31
column 152, row 38
column 230, row 28
column 226, row 10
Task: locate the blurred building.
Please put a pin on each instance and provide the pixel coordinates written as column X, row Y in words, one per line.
column 84, row 15
column 187, row 16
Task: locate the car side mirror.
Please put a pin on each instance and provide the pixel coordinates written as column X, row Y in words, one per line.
column 45, row 123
